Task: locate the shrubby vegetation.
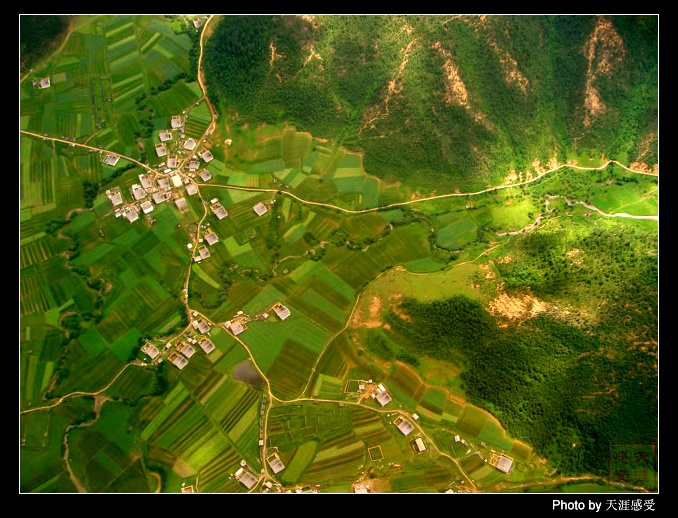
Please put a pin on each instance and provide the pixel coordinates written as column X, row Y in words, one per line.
column 353, row 90
column 39, row 36
column 549, row 380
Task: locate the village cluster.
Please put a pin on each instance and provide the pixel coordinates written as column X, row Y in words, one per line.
column 158, row 187
column 166, row 188
column 186, row 348
column 173, row 175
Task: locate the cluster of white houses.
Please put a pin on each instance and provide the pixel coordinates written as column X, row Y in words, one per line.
column 146, row 191
column 184, row 349
column 238, row 323
column 161, row 150
column 164, row 189
column 183, row 145
column 247, row 478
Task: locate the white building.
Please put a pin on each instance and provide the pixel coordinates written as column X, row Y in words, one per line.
column 260, row 209
column 111, row 159
column 281, row 311
column 147, row 207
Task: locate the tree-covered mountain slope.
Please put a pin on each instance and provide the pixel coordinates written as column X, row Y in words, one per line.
column 445, row 102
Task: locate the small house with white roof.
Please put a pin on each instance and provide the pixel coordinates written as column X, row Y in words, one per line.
column 190, row 144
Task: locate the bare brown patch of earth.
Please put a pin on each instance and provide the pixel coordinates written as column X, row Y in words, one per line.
column 182, row 469
column 516, row 307
column 375, row 308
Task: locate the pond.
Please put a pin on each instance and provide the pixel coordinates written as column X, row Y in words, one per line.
column 246, row 373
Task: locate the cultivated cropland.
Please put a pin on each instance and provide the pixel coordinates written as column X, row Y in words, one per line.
column 338, row 254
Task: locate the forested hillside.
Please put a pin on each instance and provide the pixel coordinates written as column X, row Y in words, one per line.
column 567, row 380
column 445, row 102
column 39, row 36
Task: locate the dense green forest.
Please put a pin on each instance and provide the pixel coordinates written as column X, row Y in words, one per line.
column 39, row 36
column 548, row 379
column 469, row 98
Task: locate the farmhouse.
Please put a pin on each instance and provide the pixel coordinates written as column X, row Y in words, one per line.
column 201, row 326
column 246, row 478
column 203, row 252
column 115, row 197
column 218, row 210
column 404, row 425
column 172, row 162
column 132, row 215
column 205, row 175
column 503, row 463
column 197, row 23
column 190, row 144
column 383, row 398
column 177, row 360
column 421, row 445
column 206, row 156
column 159, row 197
column 193, row 165
column 176, row 121
column 150, row 349
column 160, row 150
column 138, row 192
column 236, row 326
column 191, row 188
column 147, row 207
column 185, row 349
column 165, row 136
column 176, row 179
column 207, row 346
column 211, row 237
column 281, row 311
column 163, row 183
column 44, row 83
column 260, row 209
column 111, row 159
column 181, row 204
column 276, row 464
column 145, row 181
